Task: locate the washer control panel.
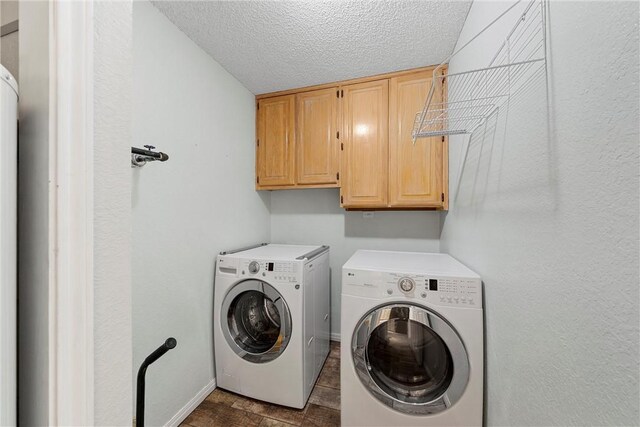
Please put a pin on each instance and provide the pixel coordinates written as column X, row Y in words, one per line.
column 279, row 271
column 440, row 290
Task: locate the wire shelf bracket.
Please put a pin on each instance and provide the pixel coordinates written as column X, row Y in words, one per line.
column 477, row 93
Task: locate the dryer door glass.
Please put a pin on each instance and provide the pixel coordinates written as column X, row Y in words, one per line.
column 410, row 359
column 255, row 320
column 258, row 323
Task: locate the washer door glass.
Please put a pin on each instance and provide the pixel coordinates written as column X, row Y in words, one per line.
column 410, row 359
column 257, row 325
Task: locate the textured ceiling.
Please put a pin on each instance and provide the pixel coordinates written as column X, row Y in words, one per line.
column 275, row 45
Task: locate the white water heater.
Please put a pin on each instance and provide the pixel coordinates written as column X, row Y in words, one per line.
column 8, row 245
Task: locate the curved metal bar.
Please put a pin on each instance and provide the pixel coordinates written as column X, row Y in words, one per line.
column 140, row 394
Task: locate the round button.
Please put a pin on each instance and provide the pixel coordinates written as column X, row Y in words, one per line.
column 389, row 291
column 406, row 284
column 254, row 267
column 423, row 295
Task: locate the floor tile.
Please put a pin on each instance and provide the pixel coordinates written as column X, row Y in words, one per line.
column 222, row 396
column 223, row 408
column 321, row 417
column 269, row 422
column 325, row 396
column 330, row 375
column 217, row 414
column 335, row 349
column 277, row 412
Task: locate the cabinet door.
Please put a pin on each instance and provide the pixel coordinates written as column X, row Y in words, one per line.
column 316, row 137
column 416, row 172
column 365, row 126
column 275, row 158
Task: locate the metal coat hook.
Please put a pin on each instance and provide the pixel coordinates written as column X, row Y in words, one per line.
column 140, row 157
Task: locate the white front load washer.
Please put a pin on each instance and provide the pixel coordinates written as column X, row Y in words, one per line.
column 412, row 350
column 271, row 321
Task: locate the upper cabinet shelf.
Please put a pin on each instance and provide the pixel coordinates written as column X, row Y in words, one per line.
column 475, row 94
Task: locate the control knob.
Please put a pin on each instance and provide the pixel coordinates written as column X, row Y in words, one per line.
column 254, row 267
column 406, row 284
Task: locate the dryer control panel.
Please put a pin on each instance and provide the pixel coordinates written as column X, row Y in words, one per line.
column 439, row 290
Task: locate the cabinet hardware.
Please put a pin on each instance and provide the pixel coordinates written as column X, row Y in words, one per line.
column 258, row 106
column 443, row 139
column 258, row 143
column 258, row 179
column 337, row 94
column 442, row 197
column 338, row 176
column 338, row 134
column 341, row 146
column 341, row 199
column 341, row 93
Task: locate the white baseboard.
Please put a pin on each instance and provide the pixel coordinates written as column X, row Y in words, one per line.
column 191, row 405
column 335, row 336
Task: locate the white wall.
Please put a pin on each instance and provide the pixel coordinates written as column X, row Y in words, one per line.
column 315, row 217
column 189, row 208
column 547, row 214
column 112, row 212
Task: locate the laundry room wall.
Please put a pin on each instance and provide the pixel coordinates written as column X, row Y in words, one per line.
column 112, row 219
column 33, row 213
column 545, row 209
column 9, row 36
column 315, row 217
column 186, row 210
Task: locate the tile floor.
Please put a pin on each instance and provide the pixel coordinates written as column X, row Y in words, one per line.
column 222, row 408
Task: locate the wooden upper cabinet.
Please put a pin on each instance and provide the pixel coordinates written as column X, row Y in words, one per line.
column 365, row 118
column 316, row 138
column 275, row 156
column 356, row 135
column 416, row 171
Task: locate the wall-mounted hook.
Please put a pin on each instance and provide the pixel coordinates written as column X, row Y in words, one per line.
column 140, row 157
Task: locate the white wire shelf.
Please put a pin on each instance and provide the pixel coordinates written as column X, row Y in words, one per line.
column 476, row 94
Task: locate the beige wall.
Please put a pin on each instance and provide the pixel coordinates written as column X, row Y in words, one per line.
column 8, row 11
column 33, row 217
column 9, row 42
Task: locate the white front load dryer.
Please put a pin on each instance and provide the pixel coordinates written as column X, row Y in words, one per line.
column 271, row 321
column 412, row 341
